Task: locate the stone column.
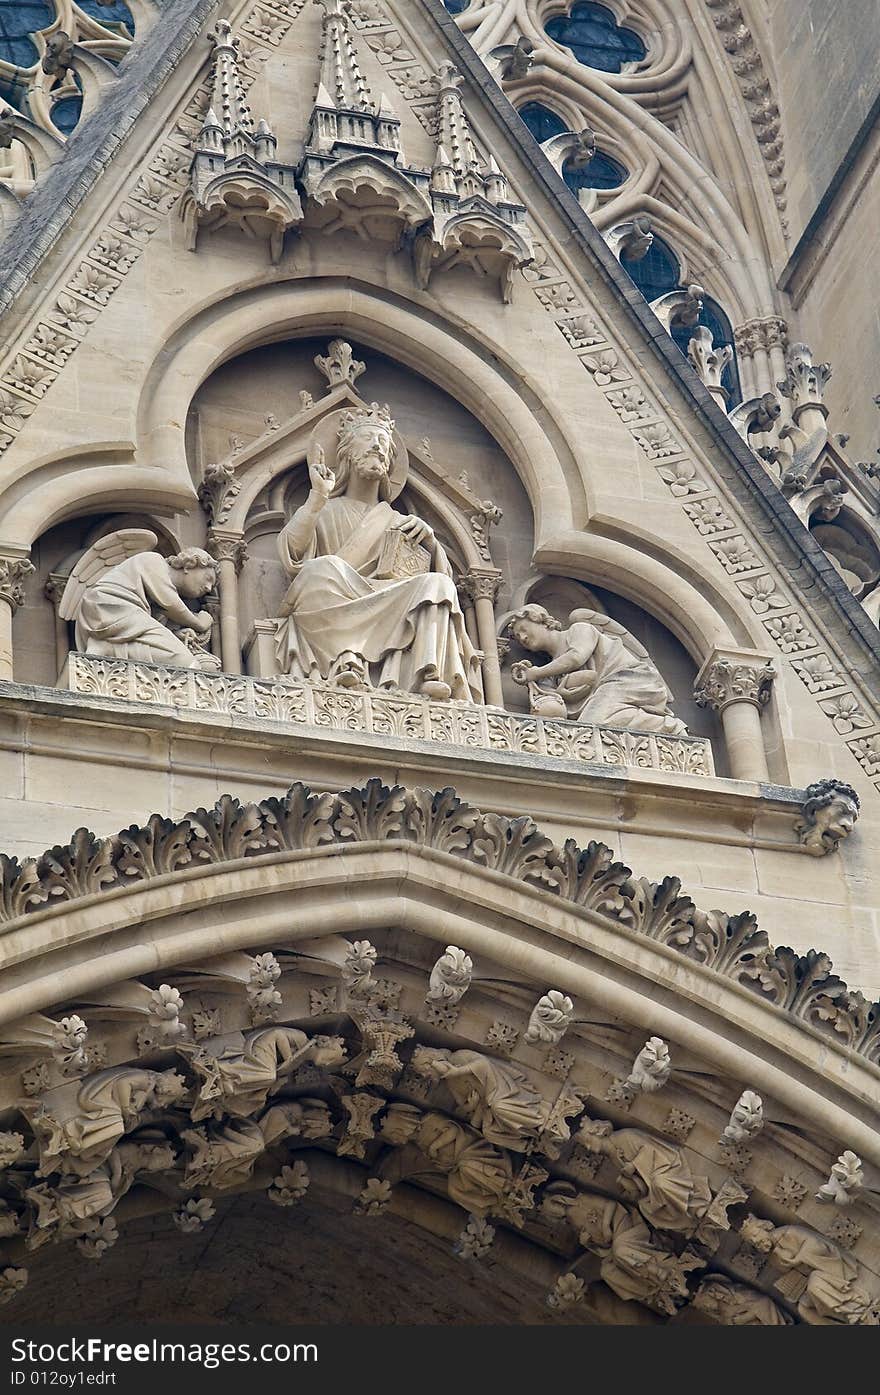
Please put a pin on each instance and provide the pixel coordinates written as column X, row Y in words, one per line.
column 53, row 591
column 482, row 584
column 13, row 571
column 228, row 547
column 736, row 684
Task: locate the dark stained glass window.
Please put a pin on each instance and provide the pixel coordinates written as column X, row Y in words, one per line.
column 658, row 273
column 600, row 173
column 455, row 7
column 19, row 19
column 595, row 38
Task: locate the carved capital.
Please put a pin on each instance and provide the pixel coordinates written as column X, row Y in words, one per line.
column 769, row 333
column 13, row 573
column 828, row 816
column 54, row 587
column 734, row 676
column 481, row 585
column 227, row 547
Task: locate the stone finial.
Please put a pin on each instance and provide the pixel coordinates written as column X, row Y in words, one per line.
column 550, row 1019
column 69, row 1044
column 339, row 364
column 845, row 1181
column 746, row 1119
column 732, row 678
column 357, row 970
column 804, row 382
column 165, row 1007
column 450, row 978
column 651, row 1068
column 828, row 816
column 263, row 997
column 709, row 362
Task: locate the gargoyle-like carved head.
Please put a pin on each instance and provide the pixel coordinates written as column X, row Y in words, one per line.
column 828, row 815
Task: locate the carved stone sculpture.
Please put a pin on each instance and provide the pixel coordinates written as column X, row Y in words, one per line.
column 651, row 1068
column 737, row 1305
column 604, row 675
column 550, row 1018
column 495, row 1096
column 634, row 1265
column 372, row 602
column 833, row 1294
column 114, row 589
column 845, row 1181
column 655, row 1174
column 67, row 1205
column 746, row 1119
column 828, row 816
column 450, row 978
column 78, row 1125
column 477, row 1173
column 239, row 1071
column 223, row 1154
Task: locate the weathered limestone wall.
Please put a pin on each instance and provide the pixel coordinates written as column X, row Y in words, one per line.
column 827, row 67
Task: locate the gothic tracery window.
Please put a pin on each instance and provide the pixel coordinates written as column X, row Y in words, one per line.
column 659, row 272
column 601, row 172
column 108, row 28
column 595, row 38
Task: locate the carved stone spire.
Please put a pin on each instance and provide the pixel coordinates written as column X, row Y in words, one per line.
column 454, row 132
column 228, row 107
column 234, row 159
column 341, row 82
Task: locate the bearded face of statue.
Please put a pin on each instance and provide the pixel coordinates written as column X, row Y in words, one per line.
column 369, row 451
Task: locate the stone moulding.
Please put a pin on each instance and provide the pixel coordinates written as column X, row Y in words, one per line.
column 732, row 946
column 408, row 716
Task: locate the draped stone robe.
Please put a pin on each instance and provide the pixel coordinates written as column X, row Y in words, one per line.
column 337, row 605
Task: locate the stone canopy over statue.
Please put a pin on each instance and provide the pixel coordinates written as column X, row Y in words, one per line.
column 373, row 602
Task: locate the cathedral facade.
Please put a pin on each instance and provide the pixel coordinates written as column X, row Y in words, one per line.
column 439, row 654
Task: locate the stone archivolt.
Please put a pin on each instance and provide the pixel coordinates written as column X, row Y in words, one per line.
column 215, row 1112
column 733, row 946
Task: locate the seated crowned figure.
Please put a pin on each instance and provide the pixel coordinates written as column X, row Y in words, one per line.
column 373, row 601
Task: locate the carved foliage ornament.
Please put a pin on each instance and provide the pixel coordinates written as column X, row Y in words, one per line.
column 590, row 877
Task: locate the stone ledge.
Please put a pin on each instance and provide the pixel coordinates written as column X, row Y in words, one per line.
column 412, row 718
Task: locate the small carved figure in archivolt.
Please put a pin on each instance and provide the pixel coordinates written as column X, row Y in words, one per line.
column 602, row 673
column 118, row 584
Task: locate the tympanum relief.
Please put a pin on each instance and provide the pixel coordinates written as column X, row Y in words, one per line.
column 392, row 616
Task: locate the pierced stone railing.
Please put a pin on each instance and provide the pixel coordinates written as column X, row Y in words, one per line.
column 411, row 718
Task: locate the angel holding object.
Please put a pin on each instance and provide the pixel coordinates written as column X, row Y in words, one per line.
column 604, row 674
column 119, row 583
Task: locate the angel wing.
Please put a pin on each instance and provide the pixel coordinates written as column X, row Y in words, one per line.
column 107, row 552
column 608, row 626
